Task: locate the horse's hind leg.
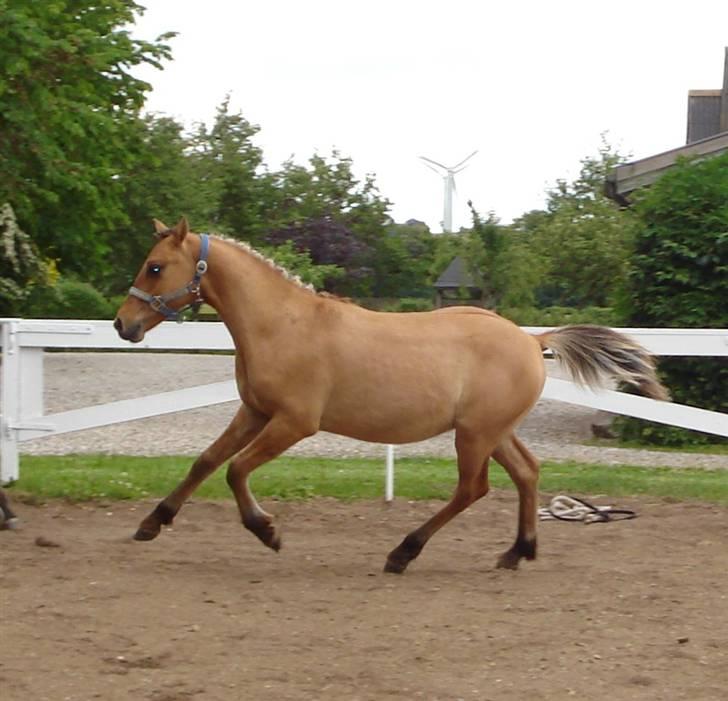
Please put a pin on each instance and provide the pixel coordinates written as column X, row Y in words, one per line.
column 473, row 454
column 523, row 469
column 242, row 429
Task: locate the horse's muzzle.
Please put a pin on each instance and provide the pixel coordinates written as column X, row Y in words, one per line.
column 133, row 333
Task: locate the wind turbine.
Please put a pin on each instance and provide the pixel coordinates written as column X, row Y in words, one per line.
column 448, row 176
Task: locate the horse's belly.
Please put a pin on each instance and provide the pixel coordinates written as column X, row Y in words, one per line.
column 387, row 429
column 391, row 412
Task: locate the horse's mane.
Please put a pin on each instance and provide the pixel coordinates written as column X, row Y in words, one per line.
column 286, row 274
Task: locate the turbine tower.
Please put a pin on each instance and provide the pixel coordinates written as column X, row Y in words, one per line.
column 448, row 176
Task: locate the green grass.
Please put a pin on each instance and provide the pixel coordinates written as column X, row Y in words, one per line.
column 86, row 477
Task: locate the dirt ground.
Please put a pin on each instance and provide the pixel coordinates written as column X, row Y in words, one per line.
column 630, row 610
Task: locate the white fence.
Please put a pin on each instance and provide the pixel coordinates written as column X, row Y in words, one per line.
column 23, row 417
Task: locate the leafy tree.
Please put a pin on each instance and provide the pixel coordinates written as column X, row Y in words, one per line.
column 233, row 196
column 403, row 262
column 583, row 239
column 501, row 259
column 68, row 107
column 329, row 188
column 157, row 184
column 325, row 210
column 679, row 278
column 301, row 264
column 326, row 242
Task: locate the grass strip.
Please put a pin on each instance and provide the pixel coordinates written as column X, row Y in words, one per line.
column 99, row 477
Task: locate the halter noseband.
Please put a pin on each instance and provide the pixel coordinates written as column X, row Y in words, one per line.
column 159, row 302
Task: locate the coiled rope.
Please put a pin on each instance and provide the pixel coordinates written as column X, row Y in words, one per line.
column 566, row 508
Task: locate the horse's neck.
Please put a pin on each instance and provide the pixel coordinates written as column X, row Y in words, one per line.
column 252, row 298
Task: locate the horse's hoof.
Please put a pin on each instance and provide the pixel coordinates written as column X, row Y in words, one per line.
column 10, row 524
column 395, row 567
column 266, row 532
column 508, row 561
column 145, row 534
column 274, row 541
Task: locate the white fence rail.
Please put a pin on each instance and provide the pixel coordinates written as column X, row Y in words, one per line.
column 23, row 417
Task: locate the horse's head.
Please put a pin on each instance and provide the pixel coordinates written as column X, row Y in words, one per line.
column 168, row 280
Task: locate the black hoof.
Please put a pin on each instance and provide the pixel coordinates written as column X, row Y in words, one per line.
column 266, row 532
column 151, row 526
column 145, row 534
column 403, row 554
column 508, row 561
column 274, row 543
column 522, row 548
column 395, row 566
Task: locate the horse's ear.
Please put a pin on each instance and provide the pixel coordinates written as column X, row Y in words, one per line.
column 181, row 230
column 159, row 227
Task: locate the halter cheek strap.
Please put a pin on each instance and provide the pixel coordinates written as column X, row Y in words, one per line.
column 159, row 302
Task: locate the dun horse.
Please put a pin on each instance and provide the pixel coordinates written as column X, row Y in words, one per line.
column 307, row 362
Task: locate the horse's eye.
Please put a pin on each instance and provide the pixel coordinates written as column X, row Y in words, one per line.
column 154, row 269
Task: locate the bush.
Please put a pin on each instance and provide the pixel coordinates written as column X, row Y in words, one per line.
column 409, row 304
column 679, row 278
column 560, row 316
column 68, row 299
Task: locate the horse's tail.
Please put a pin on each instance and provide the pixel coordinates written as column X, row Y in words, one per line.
column 591, row 352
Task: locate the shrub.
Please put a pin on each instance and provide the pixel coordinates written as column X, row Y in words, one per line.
column 409, row 304
column 560, row 316
column 68, row 299
column 679, row 278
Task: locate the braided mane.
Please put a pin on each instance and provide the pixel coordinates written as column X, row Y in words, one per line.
column 287, row 274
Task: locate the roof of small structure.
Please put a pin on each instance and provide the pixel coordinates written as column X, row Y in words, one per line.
column 707, row 135
column 455, row 276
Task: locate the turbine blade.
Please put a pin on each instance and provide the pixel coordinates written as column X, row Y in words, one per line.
column 464, row 160
column 435, row 170
column 429, row 160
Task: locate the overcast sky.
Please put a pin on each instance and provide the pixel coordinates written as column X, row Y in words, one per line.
column 531, row 85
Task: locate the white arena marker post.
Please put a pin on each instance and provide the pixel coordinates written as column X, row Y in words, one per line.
column 389, row 475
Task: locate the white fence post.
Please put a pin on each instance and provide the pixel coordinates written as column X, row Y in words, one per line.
column 9, row 469
column 389, row 475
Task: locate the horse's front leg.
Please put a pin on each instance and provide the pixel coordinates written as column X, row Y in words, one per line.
column 242, row 429
column 279, row 434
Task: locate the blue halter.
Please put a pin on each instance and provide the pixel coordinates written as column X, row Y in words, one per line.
column 159, row 302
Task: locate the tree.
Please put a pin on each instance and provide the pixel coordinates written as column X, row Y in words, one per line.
column 583, row 239
column 234, row 197
column 325, row 210
column 300, row 264
column 328, row 188
column 68, row 111
column 502, row 261
column 326, row 242
column 157, row 184
column 403, row 262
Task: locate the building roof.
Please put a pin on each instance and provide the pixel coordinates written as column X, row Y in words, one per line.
column 629, row 177
column 707, row 135
column 455, row 276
